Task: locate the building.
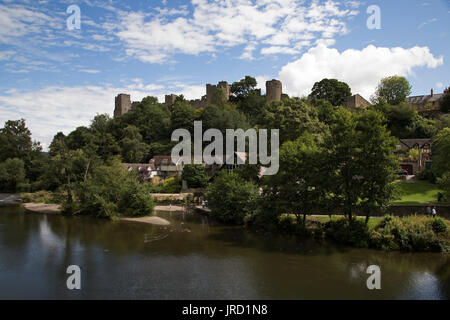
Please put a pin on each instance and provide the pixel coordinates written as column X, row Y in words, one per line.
column 356, row 101
column 123, row 102
column 146, row 171
column 414, row 161
column 165, row 168
column 428, row 105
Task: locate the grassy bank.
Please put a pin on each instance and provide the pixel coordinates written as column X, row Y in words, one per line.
column 417, row 193
column 412, row 233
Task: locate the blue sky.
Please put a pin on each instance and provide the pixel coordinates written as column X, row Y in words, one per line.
column 58, row 79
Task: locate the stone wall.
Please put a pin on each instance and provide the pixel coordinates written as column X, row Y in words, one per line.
column 274, row 90
column 122, row 104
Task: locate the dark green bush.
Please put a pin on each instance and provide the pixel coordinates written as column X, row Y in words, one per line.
column 439, row 225
column 427, row 175
column 352, row 233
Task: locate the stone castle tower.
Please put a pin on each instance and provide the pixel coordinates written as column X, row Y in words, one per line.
column 122, row 105
column 274, row 90
column 123, row 101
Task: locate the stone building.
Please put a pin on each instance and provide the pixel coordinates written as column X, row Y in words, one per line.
column 123, row 101
column 123, row 104
column 356, row 101
column 274, row 90
column 422, row 159
column 428, row 105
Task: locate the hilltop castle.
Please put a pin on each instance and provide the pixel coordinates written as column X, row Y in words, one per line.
column 123, row 102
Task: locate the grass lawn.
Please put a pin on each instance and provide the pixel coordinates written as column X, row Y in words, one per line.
column 417, row 193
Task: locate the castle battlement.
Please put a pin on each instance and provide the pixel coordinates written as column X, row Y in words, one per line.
column 123, row 102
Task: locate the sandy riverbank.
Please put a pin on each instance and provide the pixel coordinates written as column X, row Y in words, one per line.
column 42, row 208
column 151, row 220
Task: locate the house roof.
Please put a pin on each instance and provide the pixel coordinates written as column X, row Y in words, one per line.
column 425, row 99
column 411, row 143
column 158, row 160
column 139, row 166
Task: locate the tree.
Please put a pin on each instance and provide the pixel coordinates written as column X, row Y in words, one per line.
column 440, row 152
column 377, row 162
column 360, row 157
column 445, row 102
column 104, row 141
column 15, row 140
column 183, row 116
column 12, row 174
column 332, row 90
column 195, row 176
column 112, row 191
column 293, row 117
column 243, row 87
column 230, row 198
column 298, row 188
column 393, row 90
column 133, row 150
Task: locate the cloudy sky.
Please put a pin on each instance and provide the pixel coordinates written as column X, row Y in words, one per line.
column 58, row 78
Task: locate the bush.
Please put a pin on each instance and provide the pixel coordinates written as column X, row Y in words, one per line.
column 427, row 175
column 231, row 198
column 352, row 233
column 413, row 233
column 439, row 225
column 111, row 191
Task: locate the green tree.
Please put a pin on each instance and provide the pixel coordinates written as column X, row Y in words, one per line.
column 133, row 150
column 243, row 87
column 298, row 188
column 112, row 191
column 293, row 117
column 104, row 141
column 392, row 90
column 12, row 174
column 183, row 116
column 15, row 140
column 445, row 102
column 440, row 152
column 332, row 90
column 230, row 198
column 377, row 162
column 195, row 176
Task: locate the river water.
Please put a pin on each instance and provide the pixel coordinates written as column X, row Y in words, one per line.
column 194, row 259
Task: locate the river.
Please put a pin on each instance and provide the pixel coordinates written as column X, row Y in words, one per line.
column 194, row 259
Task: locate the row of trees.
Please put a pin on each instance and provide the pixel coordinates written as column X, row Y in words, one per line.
column 349, row 165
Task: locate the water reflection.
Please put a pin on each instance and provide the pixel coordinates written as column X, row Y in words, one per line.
column 195, row 259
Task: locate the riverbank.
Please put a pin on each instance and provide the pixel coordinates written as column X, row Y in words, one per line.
column 42, row 208
column 150, row 220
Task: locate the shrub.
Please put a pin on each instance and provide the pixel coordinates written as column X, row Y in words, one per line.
column 427, row 175
column 439, row 225
column 231, row 198
column 413, row 233
column 353, row 233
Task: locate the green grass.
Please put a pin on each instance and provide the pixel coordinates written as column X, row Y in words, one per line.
column 373, row 221
column 417, row 193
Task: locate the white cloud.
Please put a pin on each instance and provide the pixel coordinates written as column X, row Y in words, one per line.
column 6, row 55
column 93, row 71
column 439, row 85
column 278, row 26
column 361, row 69
column 58, row 108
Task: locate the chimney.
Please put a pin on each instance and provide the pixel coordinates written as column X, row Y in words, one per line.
column 431, row 92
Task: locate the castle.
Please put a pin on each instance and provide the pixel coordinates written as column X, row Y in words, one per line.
column 123, row 102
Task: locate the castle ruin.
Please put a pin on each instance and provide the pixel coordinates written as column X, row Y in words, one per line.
column 274, row 90
column 123, row 102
